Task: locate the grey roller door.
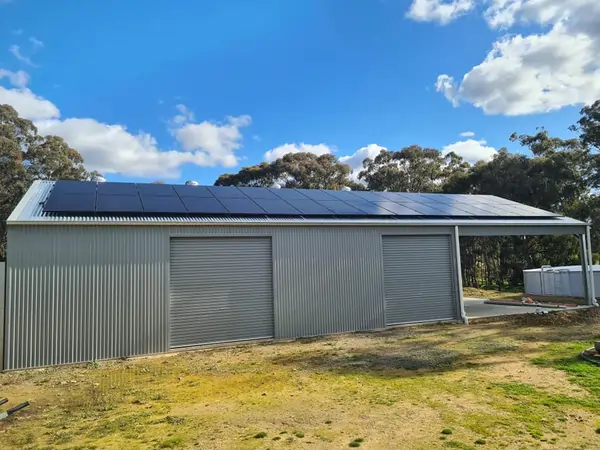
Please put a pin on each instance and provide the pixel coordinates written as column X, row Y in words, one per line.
column 418, row 279
column 221, row 290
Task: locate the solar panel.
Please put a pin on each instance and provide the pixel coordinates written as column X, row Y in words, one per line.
column 276, row 207
column 226, row 192
column 499, row 210
column 156, row 190
column 203, row 205
column 165, row 205
column 398, row 209
column 340, row 208
column 528, row 211
column 89, row 197
column 253, row 192
column 459, row 210
column 241, row 206
column 424, row 209
column 289, row 194
column 117, row 189
column 401, row 197
column 370, row 208
column 193, row 191
column 316, row 194
column 74, row 187
column 119, row 204
column 309, row 207
column 344, row 195
column 369, row 196
column 70, row 203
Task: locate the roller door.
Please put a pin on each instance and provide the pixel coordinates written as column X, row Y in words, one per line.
column 221, row 290
column 418, row 279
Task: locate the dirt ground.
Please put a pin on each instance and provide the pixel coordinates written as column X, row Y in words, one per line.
column 511, row 384
column 516, row 295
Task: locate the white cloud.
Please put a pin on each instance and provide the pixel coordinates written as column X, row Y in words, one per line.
column 113, row 149
column 36, row 43
column 471, row 150
column 16, row 52
column 185, row 115
column 356, row 159
column 447, row 86
column 441, row 11
column 18, row 31
column 29, row 105
column 538, row 72
column 216, row 141
column 467, row 134
column 18, row 79
column 278, row 152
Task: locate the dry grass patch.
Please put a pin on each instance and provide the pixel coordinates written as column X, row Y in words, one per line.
column 509, row 384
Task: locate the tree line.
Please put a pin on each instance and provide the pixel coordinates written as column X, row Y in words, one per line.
column 561, row 175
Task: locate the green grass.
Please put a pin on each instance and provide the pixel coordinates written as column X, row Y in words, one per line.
column 172, row 442
column 565, row 357
column 453, row 378
column 459, row 445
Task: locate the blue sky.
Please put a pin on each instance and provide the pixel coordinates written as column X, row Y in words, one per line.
column 192, row 89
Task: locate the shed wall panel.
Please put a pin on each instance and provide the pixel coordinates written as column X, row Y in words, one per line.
column 102, row 292
column 84, row 293
column 327, row 280
column 2, row 297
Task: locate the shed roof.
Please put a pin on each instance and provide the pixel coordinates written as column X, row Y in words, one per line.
column 30, row 211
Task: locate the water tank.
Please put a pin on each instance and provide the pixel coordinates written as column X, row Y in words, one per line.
column 563, row 281
column 346, row 188
column 99, row 179
column 191, row 183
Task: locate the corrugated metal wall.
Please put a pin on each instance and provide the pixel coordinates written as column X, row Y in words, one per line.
column 80, row 293
column 419, row 279
column 2, row 291
column 84, row 293
column 221, row 290
column 327, row 280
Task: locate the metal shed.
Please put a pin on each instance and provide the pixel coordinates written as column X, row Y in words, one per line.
column 101, row 286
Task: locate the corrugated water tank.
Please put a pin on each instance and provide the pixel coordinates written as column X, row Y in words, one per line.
column 563, row 281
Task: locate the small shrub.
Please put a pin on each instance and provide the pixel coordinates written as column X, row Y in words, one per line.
column 328, row 422
column 260, row 435
column 276, row 438
column 173, row 420
column 480, row 442
column 354, row 444
column 171, row 443
column 447, row 431
column 598, row 430
column 359, row 440
column 299, row 434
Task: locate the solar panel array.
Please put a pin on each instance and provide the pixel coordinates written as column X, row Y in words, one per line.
column 90, row 198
